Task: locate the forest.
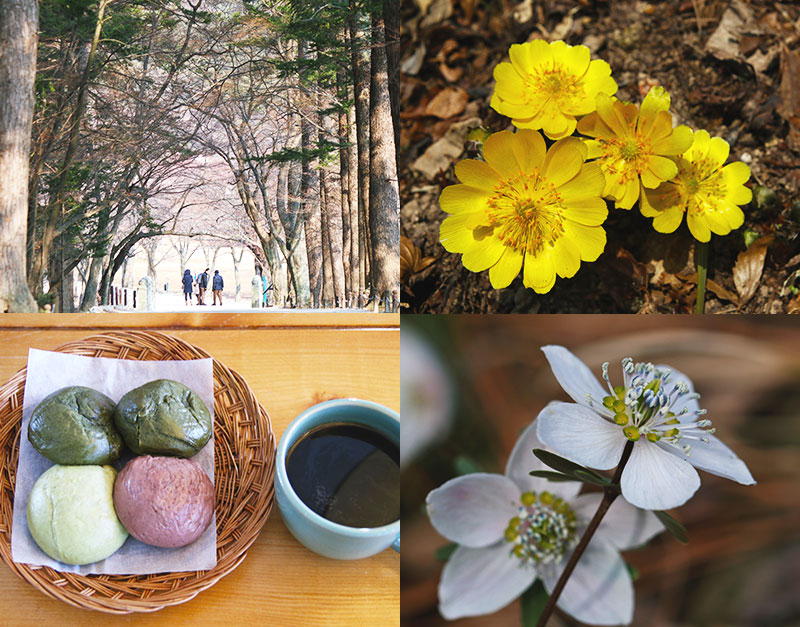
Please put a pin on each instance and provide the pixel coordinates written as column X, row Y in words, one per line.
column 264, row 124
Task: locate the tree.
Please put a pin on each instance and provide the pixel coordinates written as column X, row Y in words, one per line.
column 384, row 195
column 18, row 37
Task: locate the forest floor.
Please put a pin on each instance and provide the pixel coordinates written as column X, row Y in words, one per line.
column 732, row 68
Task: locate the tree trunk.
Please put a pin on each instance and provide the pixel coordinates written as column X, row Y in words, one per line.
column 344, row 185
column 18, row 40
column 391, row 15
column 293, row 224
column 56, row 205
column 332, row 221
column 328, row 291
column 384, row 200
column 355, row 260
column 310, row 196
column 236, row 277
column 89, row 299
column 360, row 58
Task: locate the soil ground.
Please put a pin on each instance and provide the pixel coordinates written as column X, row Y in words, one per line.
column 732, row 68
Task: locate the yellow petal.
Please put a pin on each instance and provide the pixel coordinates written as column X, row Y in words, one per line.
column 506, row 269
column 598, row 79
column 498, row 152
column 477, row 174
column 564, row 160
column 650, row 180
column 529, row 56
column 662, row 168
column 484, row 254
column 509, row 85
column 656, row 100
column 593, row 126
column 739, row 195
column 736, row 173
column 716, row 222
column 590, row 240
column 699, row 148
column 630, row 196
column 661, row 126
column 539, row 272
column 589, row 210
column 462, row 198
column 454, row 235
column 612, row 113
column 668, row 221
column 594, row 147
column 589, row 182
column 553, row 121
column 718, row 150
column 575, row 59
column 566, row 257
column 675, row 143
column 698, row 228
column 529, row 149
column 735, row 217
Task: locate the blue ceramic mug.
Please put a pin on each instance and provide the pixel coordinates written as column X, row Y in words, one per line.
column 312, row 530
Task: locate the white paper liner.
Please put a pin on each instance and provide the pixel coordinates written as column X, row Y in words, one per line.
column 51, row 371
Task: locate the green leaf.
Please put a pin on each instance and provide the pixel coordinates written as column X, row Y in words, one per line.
column 444, row 553
column 550, row 475
column 672, row 525
column 465, row 465
column 589, row 476
column 556, row 462
column 533, row 601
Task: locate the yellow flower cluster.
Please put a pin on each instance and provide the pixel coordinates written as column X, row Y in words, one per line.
column 540, row 210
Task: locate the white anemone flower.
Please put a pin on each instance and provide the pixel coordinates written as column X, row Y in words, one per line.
column 514, row 528
column 657, row 408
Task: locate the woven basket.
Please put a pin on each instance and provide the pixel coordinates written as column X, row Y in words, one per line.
column 244, row 461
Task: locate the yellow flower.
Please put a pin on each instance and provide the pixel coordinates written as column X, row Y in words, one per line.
column 546, row 85
column 525, row 205
column 706, row 191
column 634, row 144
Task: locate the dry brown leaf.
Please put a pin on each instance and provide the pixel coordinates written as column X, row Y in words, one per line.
column 715, row 288
column 411, row 259
column 748, row 268
column 789, row 108
column 447, row 103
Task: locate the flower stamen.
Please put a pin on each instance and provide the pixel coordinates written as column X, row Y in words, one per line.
column 543, row 529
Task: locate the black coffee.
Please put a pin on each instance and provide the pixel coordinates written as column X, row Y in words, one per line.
column 347, row 473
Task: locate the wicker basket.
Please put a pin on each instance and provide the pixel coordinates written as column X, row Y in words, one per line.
column 244, row 458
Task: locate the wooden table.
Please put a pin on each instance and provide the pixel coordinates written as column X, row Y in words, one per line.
column 291, row 361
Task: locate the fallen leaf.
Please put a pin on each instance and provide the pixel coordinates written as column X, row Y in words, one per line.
column 748, row 268
column 411, row 259
column 448, row 103
column 724, row 41
column 715, row 288
column 413, row 64
column 789, row 108
column 441, row 153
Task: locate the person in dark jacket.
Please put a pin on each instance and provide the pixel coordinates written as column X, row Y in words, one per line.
column 202, row 285
column 216, row 287
column 187, row 287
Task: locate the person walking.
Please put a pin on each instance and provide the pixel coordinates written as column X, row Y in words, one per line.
column 202, row 284
column 187, row 287
column 216, row 287
column 265, row 291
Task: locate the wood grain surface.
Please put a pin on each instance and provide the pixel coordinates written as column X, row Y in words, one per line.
column 291, row 362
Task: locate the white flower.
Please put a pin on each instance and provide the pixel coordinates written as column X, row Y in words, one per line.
column 514, row 528
column 426, row 398
column 657, row 408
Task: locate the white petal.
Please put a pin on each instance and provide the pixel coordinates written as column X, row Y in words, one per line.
column 473, row 510
column 575, row 377
column 624, row 525
column 654, row 479
column 600, row 591
column 580, row 435
column 481, row 581
column 716, row 458
column 686, row 401
column 522, row 461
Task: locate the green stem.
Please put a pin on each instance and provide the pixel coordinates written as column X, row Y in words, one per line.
column 609, row 494
column 701, row 260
